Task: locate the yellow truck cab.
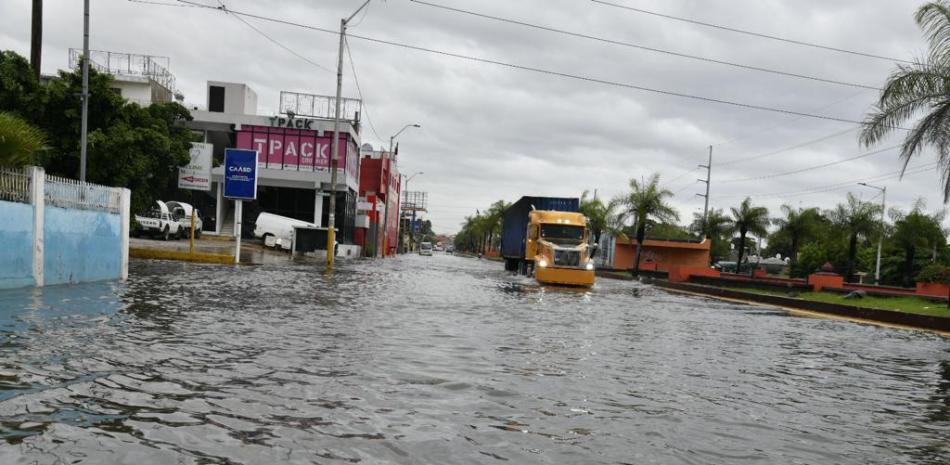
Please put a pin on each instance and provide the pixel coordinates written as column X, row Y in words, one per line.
column 558, row 246
column 546, row 237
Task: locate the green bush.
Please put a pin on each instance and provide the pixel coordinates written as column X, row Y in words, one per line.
column 935, row 273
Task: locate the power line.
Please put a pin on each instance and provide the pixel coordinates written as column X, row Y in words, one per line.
column 839, row 185
column 747, row 106
column 751, row 33
column 788, row 149
column 273, row 40
column 811, row 168
column 643, row 47
column 356, row 80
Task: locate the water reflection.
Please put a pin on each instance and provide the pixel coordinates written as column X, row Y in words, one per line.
column 449, row 360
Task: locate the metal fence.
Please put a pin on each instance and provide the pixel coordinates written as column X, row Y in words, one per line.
column 14, row 186
column 69, row 193
column 129, row 64
column 319, row 106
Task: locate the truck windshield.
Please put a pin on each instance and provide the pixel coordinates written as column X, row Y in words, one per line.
column 562, row 234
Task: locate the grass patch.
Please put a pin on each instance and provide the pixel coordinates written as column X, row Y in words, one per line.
column 906, row 304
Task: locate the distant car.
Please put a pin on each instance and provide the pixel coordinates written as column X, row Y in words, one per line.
column 425, row 248
column 277, row 231
column 158, row 222
column 450, row 249
column 183, row 210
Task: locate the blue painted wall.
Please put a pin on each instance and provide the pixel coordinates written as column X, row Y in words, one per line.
column 16, row 245
column 81, row 246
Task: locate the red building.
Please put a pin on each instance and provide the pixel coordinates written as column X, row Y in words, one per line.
column 379, row 185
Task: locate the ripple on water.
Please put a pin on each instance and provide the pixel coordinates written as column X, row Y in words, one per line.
column 449, row 360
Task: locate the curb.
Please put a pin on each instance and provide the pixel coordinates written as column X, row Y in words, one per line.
column 197, row 257
column 934, row 323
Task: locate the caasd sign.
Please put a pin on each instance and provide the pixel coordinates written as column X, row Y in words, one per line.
column 240, row 174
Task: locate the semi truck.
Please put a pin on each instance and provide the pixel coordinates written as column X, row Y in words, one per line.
column 546, row 237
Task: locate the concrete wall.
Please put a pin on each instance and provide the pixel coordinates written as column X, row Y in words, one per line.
column 16, row 252
column 81, row 245
column 661, row 255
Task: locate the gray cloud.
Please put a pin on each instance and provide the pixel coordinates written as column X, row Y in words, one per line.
column 494, row 133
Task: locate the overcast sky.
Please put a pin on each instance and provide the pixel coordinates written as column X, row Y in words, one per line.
column 491, row 132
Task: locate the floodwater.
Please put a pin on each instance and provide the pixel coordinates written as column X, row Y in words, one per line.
column 445, row 360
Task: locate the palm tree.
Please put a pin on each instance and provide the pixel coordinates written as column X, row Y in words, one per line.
column 913, row 231
column 647, row 201
column 748, row 219
column 798, row 225
column 859, row 219
column 493, row 220
column 602, row 217
column 18, row 141
column 922, row 87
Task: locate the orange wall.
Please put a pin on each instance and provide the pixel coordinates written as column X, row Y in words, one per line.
column 661, row 255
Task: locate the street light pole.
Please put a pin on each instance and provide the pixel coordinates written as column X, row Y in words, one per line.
column 880, row 239
column 335, row 144
column 85, row 92
column 385, row 234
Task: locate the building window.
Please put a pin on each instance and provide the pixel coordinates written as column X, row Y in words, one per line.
column 216, row 99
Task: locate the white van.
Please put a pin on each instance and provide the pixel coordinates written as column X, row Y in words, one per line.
column 183, row 211
column 425, row 248
column 276, row 230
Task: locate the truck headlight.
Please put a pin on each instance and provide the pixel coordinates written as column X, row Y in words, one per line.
column 590, row 266
column 542, row 263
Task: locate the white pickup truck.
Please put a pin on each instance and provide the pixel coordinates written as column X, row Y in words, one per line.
column 158, row 222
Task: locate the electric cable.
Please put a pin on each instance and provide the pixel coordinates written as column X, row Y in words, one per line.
column 810, row 168
column 751, row 33
column 606, row 82
column 646, row 48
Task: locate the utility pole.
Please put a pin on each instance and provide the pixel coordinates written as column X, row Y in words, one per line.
column 335, row 144
column 36, row 38
column 880, row 239
column 85, row 91
column 708, row 167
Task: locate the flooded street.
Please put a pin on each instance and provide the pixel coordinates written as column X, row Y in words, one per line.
column 444, row 360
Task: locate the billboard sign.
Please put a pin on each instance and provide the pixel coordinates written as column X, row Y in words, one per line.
column 240, row 174
column 295, row 149
column 197, row 174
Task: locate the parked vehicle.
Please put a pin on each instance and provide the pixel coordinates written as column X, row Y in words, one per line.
column 182, row 211
column 546, row 237
column 159, row 222
column 277, row 231
column 425, row 248
column 450, row 249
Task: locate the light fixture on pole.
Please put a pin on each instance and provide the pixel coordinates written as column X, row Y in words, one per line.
column 880, row 240
column 335, row 144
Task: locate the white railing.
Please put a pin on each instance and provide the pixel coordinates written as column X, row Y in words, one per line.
column 69, row 193
column 14, row 185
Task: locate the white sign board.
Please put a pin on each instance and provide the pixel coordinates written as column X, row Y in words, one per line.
column 197, row 174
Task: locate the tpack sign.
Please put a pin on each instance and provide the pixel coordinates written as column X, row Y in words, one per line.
column 296, row 123
column 197, row 174
column 240, row 174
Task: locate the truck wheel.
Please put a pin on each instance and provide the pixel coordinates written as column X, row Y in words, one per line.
column 165, row 234
column 511, row 264
column 197, row 234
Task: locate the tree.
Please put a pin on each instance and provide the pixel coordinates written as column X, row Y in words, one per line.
column 601, row 217
column 19, row 140
column 748, row 219
column 916, row 231
column 797, row 226
column 129, row 146
column 858, row 219
column 717, row 227
column 922, row 87
column 647, row 201
column 493, row 220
